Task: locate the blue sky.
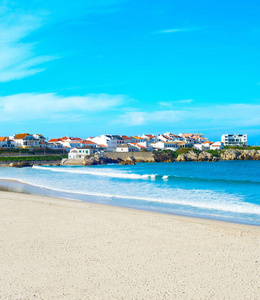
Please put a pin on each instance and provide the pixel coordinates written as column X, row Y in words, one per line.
column 84, row 68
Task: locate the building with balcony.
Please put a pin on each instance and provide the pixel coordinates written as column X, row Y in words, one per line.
column 234, row 139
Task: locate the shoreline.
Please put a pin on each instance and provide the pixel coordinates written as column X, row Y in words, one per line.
column 64, row 249
column 29, row 189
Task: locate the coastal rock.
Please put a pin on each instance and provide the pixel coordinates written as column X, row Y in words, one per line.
column 215, row 158
column 162, row 157
column 235, row 154
column 21, row 164
column 230, row 154
column 98, row 159
column 190, row 156
column 182, row 157
column 205, row 156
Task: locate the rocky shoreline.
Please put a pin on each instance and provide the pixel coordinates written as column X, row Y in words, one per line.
column 23, row 164
column 230, row 154
column 97, row 159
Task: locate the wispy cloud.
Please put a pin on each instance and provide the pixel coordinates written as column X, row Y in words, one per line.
column 19, row 19
column 23, row 107
column 174, row 30
column 234, row 115
column 172, row 103
column 18, row 58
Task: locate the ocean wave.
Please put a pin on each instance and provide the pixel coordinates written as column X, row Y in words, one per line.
column 96, row 172
column 108, row 172
column 198, row 199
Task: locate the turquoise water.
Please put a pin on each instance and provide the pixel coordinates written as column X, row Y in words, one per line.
column 227, row 190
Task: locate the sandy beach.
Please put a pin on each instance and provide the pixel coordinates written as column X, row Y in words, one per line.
column 61, row 249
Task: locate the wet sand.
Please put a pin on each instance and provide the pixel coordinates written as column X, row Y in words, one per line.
column 63, row 249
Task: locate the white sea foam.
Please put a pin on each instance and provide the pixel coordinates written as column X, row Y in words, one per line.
column 95, row 172
column 200, row 199
column 164, row 195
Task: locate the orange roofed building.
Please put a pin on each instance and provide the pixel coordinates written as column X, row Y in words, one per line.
column 6, row 143
column 25, row 140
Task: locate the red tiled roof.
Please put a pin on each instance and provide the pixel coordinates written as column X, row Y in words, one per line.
column 3, row 139
column 21, row 136
column 150, row 136
column 136, row 144
column 88, row 143
column 167, row 137
column 54, row 140
column 126, row 137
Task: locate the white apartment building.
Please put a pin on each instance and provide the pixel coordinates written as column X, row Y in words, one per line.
column 234, row 139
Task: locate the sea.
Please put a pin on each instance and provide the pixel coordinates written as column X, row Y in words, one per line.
column 224, row 190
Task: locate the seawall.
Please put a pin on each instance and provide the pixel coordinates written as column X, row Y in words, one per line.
column 146, row 156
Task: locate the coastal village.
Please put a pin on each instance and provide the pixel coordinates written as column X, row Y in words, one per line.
column 79, row 148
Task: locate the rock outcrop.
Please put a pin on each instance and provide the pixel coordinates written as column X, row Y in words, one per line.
column 190, row 156
column 162, row 157
column 128, row 161
column 234, row 154
column 21, row 164
column 98, row 159
column 205, row 156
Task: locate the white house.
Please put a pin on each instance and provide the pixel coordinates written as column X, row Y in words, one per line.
column 70, row 142
column 128, row 139
column 39, row 137
column 165, row 138
column 54, row 144
column 126, row 148
column 150, row 138
column 25, row 140
column 6, row 143
column 217, row 146
column 169, row 145
column 81, row 152
column 141, row 147
column 89, row 143
column 203, row 146
column 107, row 140
column 234, row 139
column 119, row 140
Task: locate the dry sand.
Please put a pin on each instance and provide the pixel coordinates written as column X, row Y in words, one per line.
column 61, row 249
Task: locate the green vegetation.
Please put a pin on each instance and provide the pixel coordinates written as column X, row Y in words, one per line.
column 243, row 147
column 32, row 151
column 32, row 158
column 186, row 150
column 216, row 153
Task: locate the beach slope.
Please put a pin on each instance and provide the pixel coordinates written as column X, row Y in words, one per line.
column 61, row 249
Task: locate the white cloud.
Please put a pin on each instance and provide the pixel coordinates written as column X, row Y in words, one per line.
column 174, row 30
column 233, row 115
column 18, row 58
column 141, row 118
column 172, row 103
column 51, row 106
